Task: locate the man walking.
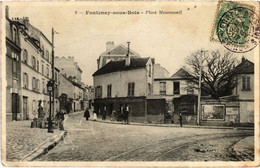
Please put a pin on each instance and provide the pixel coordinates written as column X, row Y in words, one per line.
column 180, row 119
column 86, row 114
column 60, row 118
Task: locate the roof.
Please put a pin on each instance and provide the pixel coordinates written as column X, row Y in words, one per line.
column 119, row 50
column 245, row 67
column 115, row 66
column 182, row 73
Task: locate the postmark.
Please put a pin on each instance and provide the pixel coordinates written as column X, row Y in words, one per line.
column 236, row 27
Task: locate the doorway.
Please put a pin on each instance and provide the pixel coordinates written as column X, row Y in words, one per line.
column 25, row 108
column 15, row 106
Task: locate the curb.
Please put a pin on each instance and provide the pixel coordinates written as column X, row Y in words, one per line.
column 44, row 147
column 177, row 126
column 241, row 147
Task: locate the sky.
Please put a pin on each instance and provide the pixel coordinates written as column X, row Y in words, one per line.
column 168, row 38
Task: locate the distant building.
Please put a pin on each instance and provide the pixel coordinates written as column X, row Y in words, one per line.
column 13, row 71
column 73, row 92
column 128, row 83
column 244, row 89
column 71, row 85
column 180, row 93
column 160, row 72
column 36, row 70
column 114, row 53
column 69, row 68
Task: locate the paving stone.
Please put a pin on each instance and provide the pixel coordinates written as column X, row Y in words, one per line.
column 22, row 139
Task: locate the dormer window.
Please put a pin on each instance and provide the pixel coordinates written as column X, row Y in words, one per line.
column 14, row 35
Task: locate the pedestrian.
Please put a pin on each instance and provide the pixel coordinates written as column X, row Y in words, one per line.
column 60, row 118
column 180, row 119
column 104, row 113
column 94, row 115
column 41, row 114
column 86, row 114
column 126, row 114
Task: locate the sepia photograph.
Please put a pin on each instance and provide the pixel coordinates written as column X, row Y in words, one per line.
column 130, row 84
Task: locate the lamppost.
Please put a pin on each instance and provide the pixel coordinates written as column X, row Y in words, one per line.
column 50, row 90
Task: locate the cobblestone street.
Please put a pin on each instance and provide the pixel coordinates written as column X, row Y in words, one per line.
column 97, row 141
column 21, row 139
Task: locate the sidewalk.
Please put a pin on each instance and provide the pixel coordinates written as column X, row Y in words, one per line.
column 172, row 125
column 244, row 149
column 25, row 143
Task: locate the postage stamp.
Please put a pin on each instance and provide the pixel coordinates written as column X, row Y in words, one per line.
column 236, row 27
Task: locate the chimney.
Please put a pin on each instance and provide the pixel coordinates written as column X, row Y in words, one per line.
column 109, row 45
column 70, row 58
column 127, row 60
column 7, row 12
column 243, row 59
column 26, row 20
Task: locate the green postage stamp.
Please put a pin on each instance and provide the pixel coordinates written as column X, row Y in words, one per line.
column 236, row 26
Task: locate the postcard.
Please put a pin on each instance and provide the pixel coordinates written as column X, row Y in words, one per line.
column 130, row 83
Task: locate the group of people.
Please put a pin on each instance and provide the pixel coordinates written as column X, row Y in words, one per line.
column 121, row 115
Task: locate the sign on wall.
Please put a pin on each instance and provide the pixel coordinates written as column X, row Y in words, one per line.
column 213, row 112
column 232, row 110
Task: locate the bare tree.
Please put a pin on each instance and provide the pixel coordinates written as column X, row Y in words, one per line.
column 218, row 73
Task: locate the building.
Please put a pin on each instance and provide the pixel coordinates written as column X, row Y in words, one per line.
column 114, row 53
column 13, row 70
column 180, row 93
column 71, row 87
column 244, row 90
column 69, row 68
column 128, row 83
column 36, row 70
column 73, row 94
column 88, row 96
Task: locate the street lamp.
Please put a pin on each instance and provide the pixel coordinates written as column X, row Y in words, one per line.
column 50, row 90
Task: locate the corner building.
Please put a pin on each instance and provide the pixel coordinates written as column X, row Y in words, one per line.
column 36, row 70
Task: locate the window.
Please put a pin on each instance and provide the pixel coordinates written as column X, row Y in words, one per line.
column 37, row 85
column 150, row 70
column 42, row 68
column 131, row 89
column 43, row 86
column 33, row 84
column 15, row 63
column 33, row 62
column 149, row 89
column 37, row 66
column 25, row 56
column 98, row 92
column 47, row 70
column 14, row 35
column 176, row 87
column 47, row 55
column 25, row 80
column 162, row 88
column 246, row 83
column 109, row 90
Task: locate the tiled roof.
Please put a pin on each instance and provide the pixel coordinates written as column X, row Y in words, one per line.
column 245, row 67
column 182, row 73
column 115, row 66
